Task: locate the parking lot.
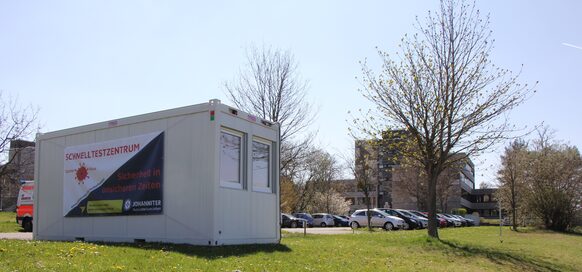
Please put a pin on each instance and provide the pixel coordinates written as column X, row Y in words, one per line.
column 320, row 230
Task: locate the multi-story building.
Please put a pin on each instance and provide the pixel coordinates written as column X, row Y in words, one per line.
column 397, row 186
column 19, row 166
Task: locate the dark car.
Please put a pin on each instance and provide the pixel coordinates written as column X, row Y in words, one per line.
column 412, row 223
column 305, row 216
column 345, row 217
column 470, row 222
column 340, row 221
column 443, row 222
column 422, row 221
column 466, row 221
column 290, row 221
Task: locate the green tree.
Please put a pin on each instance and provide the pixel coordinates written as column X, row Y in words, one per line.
column 511, row 177
column 554, row 182
column 444, row 91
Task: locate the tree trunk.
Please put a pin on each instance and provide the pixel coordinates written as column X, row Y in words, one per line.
column 368, row 215
column 513, row 207
column 432, row 220
column 367, row 200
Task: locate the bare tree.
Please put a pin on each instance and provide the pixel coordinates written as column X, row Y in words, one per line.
column 16, row 122
column 329, row 202
column 288, row 195
column 445, row 92
column 365, row 172
column 271, row 88
column 411, row 181
column 315, row 182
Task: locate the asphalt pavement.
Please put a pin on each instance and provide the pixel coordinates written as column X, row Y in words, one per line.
column 16, row 235
column 329, row 230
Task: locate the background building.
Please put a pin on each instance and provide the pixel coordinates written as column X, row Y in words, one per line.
column 19, row 165
column 398, row 186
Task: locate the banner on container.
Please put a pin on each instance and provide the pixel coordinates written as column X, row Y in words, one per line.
column 119, row 177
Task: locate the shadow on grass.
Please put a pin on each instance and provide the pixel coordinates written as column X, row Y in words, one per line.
column 206, row 252
column 571, row 232
column 501, row 257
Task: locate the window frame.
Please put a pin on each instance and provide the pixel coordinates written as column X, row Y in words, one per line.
column 242, row 159
column 269, row 187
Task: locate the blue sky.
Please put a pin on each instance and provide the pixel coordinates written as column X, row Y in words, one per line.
column 82, row 62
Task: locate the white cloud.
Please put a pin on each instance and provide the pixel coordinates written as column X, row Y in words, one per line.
column 573, row 46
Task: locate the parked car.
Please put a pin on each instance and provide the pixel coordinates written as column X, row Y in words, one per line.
column 411, row 223
column 305, row 216
column 443, row 221
column 456, row 222
column 290, row 221
column 423, row 218
column 323, row 220
column 470, row 221
column 378, row 219
column 423, row 222
column 466, row 221
column 344, row 217
column 450, row 222
column 341, row 221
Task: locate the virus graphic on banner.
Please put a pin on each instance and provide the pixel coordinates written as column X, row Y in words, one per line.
column 82, row 173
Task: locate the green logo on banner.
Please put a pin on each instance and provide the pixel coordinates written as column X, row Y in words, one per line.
column 104, row 206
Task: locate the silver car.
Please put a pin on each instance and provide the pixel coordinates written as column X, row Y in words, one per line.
column 378, row 219
column 323, row 220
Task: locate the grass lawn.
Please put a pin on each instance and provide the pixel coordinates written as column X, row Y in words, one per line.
column 463, row 249
column 490, row 221
column 8, row 222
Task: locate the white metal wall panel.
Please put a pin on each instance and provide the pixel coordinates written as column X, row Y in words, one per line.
column 244, row 216
column 202, row 176
column 234, row 220
column 262, row 213
column 187, row 191
column 49, row 204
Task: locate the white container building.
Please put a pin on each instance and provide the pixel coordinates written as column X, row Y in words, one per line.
column 206, row 174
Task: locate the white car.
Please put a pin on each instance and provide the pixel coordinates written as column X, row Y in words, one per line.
column 323, row 220
column 378, row 219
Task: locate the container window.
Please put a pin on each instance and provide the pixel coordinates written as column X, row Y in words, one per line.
column 261, row 166
column 231, row 154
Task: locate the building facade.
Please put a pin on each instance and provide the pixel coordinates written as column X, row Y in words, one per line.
column 397, row 186
column 19, row 166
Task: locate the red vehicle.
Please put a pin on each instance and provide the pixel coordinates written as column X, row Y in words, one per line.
column 24, row 206
column 442, row 221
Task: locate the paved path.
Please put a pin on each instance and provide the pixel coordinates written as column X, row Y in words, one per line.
column 28, row 235
column 329, row 230
column 16, row 235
